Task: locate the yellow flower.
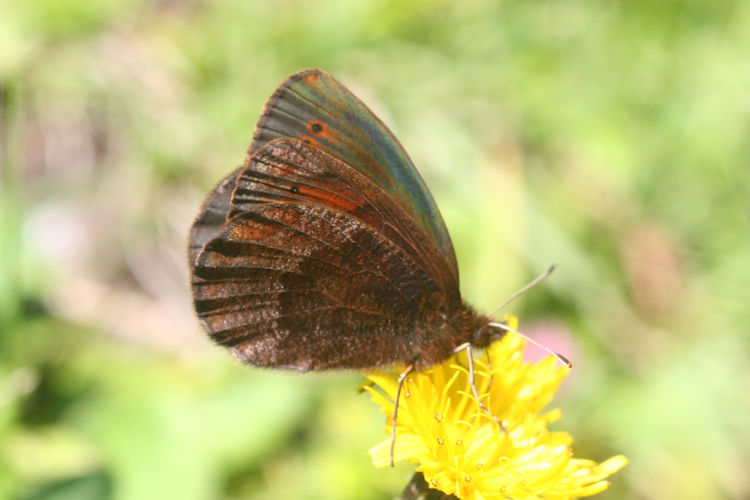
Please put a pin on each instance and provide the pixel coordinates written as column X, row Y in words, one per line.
column 463, row 451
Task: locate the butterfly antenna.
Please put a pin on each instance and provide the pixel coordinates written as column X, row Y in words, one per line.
column 562, row 359
column 523, row 290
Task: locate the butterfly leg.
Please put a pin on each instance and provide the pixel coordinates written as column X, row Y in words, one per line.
column 401, row 380
column 470, row 357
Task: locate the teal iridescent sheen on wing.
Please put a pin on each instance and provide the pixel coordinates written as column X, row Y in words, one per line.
column 314, row 107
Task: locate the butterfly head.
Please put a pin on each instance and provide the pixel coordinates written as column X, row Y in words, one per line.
column 486, row 333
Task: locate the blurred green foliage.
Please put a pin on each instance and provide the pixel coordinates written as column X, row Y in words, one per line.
column 612, row 137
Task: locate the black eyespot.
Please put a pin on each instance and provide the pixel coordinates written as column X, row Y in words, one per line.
column 294, row 190
column 316, row 127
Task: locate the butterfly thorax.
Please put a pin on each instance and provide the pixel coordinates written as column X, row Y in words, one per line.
column 446, row 332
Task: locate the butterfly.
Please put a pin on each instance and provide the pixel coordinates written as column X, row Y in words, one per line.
column 326, row 250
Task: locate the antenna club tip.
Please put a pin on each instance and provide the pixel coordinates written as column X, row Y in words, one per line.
column 564, row 360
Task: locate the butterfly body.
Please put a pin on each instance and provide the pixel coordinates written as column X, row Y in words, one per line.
column 325, row 250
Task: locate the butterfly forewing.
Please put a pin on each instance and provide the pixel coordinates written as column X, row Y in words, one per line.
column 313, row 106
column 291, row 171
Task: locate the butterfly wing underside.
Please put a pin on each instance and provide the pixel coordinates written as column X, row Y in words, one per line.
column 317, row 267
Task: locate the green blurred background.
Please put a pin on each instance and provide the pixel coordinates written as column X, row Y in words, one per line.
column 612, row 137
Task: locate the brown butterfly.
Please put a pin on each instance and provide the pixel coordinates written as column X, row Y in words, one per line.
column 326, row 250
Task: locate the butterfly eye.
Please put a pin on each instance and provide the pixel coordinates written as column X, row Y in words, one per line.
column 317, row 127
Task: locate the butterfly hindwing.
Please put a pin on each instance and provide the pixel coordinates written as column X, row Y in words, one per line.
column 307, row 287
column 212, row 216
